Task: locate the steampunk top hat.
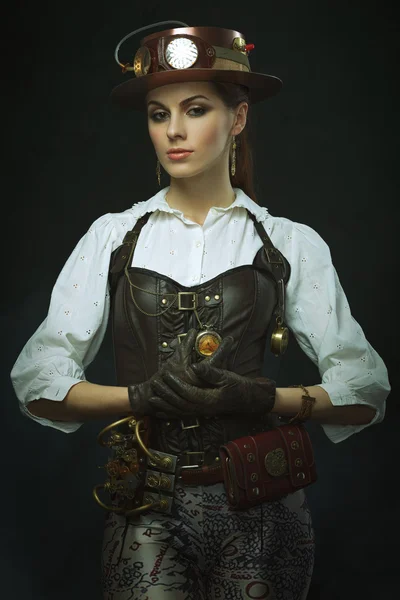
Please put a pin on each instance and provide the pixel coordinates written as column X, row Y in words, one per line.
column 190, row 54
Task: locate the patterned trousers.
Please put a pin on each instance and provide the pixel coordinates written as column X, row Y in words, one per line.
column 205, row 551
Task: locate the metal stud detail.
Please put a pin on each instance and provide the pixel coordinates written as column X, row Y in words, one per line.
column 165, row 482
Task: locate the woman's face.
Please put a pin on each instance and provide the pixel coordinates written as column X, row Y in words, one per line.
column 191, row 116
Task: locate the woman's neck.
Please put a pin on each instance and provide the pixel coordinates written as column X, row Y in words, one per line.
column 194, row 196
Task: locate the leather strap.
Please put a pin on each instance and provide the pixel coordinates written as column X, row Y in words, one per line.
column 121, row 254
column 206, row 475
column 278, row 267
column 273, row 255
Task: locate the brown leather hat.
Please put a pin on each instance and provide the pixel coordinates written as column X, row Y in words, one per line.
column 191, row 54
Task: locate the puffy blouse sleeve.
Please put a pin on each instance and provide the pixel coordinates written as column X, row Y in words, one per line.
column 57, row 354
column 319, row 315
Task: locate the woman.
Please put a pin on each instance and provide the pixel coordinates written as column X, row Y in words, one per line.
column 192, row 291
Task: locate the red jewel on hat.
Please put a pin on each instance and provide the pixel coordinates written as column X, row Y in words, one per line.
column 249, row 47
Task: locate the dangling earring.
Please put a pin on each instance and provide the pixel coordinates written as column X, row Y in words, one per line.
column 158, row 172
column 233, row 164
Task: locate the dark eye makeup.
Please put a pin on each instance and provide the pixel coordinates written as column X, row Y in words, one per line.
column 158, row 116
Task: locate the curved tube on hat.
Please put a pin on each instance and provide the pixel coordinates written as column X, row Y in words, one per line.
column 142, row 29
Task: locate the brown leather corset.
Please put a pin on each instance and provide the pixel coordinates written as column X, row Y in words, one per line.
column 146, row 323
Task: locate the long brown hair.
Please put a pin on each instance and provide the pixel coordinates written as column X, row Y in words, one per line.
column 232, row 95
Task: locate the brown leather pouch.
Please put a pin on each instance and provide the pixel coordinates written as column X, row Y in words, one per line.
column 267, row 466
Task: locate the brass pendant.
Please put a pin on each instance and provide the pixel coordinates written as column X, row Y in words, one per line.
column 279, row 338
column 207, row 342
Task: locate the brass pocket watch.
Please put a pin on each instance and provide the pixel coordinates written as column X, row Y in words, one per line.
column 207, row 341
column 279, row 338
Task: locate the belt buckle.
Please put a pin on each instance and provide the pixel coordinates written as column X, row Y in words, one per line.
column 188, row 455
column 197, row 424
column 194, row 299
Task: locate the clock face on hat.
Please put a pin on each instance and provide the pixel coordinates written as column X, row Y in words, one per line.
column 181, row 53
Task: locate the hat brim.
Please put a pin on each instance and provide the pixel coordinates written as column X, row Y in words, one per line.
column 131, row 94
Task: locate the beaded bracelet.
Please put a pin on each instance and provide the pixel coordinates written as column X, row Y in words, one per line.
column 306, row 406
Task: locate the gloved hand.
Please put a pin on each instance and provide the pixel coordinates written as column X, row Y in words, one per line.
column 144, row 401
column 226, row 392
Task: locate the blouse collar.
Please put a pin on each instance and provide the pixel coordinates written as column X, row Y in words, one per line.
column 158, row 202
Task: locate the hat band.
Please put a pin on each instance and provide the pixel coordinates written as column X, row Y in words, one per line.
column 229, row 65
column 182, row 52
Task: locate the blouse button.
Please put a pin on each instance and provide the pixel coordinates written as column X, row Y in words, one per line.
column 164, row 301
column 207, row 298
column 216, row 296
column 164, row 344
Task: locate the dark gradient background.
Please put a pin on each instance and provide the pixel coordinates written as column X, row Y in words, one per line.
column 326, row 153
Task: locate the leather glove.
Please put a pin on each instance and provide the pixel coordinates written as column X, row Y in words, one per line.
column 226, row 392
column 144, row 401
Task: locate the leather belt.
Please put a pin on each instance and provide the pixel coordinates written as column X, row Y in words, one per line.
column 191, row 469
column 206, row 475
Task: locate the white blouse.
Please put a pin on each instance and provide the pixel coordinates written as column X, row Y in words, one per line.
column 317, row 311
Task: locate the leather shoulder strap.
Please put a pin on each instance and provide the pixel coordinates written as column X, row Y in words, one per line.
column 280, row 267
column 124, row 253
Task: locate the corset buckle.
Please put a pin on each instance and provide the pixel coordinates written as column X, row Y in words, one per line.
column 193, row 299
column 192, row 426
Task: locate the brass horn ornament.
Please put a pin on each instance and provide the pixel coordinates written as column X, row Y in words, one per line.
column 123, row 469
